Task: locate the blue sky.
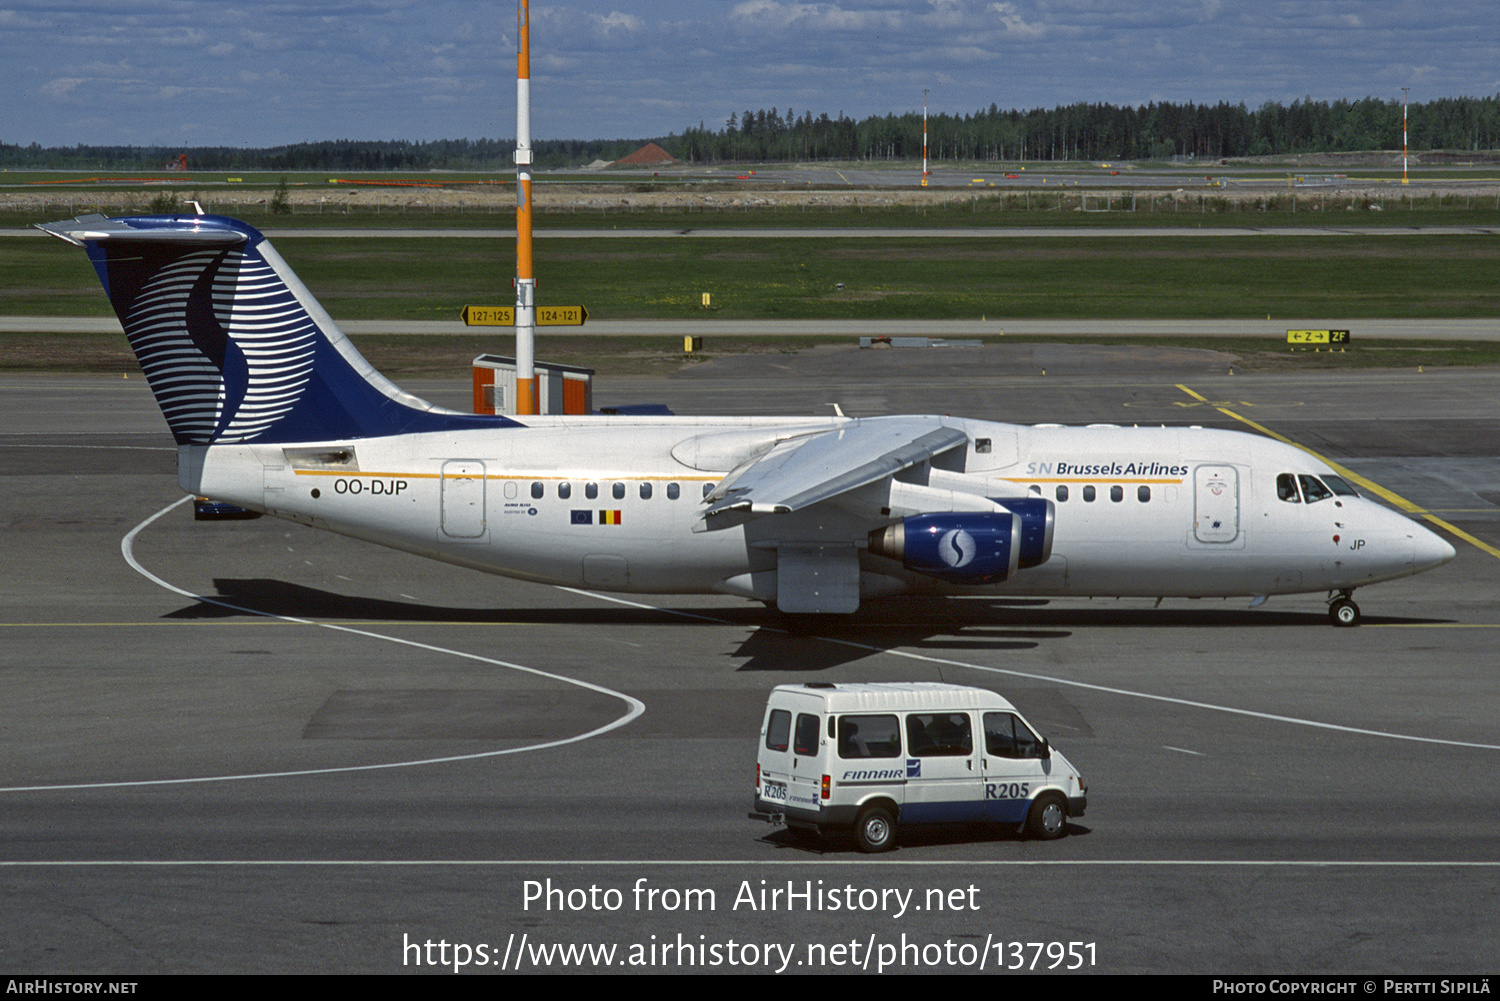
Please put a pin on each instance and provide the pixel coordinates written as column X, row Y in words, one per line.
column 204, row 72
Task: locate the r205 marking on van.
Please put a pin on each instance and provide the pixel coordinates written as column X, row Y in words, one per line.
column 1007, row 790
column 775, row 791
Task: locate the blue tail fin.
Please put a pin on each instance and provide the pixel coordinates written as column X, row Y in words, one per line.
column 234, row 346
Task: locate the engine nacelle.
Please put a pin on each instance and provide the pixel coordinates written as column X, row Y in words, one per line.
column 971, row 547
column 1036, row 516
column 956, row 546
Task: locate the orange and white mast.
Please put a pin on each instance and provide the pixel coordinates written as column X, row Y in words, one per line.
column 526, row 402
column 924, row 137
column 1403, row 134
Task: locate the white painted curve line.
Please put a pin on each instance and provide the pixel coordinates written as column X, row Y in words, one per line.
column 1030, row 676
column 635, row 706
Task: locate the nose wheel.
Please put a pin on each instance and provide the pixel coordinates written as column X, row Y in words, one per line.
column 1342, row 611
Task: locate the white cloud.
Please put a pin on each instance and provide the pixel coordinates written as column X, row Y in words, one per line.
column 1014, row 23
column 615, row 21
column 62, row 87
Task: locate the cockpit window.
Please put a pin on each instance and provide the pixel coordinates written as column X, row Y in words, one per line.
column 1339, row 485
column 1286, row 488
column 1313, row 489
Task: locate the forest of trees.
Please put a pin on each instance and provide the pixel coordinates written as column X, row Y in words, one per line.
column 1156, row 131
column 1102, row 132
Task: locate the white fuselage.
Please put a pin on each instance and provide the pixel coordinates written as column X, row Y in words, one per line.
column 616, row 503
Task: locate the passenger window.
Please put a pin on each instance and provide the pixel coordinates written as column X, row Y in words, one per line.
column 935, row 735
column 1005, row 736
column 982, row 446
column 619, row 491
column 537, row 490
column 708, row 488
column 1062, row 493
column 565, row 490
column 1143, row 494
column 1117, row 494
column 1286, row 488
column 778, row 730
column 869, row 737
column 591, row 490
column 807, row 734
column 673, row 492
column 1088, row 494
column 1313, row 489
column 645, row 491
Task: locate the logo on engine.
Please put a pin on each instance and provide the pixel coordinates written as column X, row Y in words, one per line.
column 957, row 548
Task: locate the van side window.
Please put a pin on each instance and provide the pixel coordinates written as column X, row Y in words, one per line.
column 807, row 734
column 869, row 737
column 778, row 730
column 1005, row 736
column 939, row 735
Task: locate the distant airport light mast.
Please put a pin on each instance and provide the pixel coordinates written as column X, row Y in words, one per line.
column 924, row 137
column 526, row 402
column 1403, row 134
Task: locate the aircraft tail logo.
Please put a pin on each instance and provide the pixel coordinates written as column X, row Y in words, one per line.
column 234, row 346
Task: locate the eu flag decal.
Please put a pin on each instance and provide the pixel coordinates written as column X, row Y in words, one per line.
column 583, row 517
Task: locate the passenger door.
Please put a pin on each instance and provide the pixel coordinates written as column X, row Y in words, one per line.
column 942, row 776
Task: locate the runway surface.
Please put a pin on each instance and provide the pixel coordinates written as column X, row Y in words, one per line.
column 339, row 754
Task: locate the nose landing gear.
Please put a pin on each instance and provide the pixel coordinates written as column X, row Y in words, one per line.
column 1342, row 611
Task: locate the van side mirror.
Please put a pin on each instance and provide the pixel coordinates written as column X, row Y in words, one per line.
column 1044, row 752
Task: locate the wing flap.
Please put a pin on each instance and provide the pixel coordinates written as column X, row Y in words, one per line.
column 800, row 472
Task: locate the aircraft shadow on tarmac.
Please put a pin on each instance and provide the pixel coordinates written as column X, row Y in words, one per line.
column 953, row 625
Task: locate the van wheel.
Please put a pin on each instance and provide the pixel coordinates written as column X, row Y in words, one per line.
column 875, row 830
column 1048, row 819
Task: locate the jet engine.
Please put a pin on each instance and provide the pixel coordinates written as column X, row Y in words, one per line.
column 970, row 547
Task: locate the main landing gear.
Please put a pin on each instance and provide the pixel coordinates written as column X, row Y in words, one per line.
column 1342, row 611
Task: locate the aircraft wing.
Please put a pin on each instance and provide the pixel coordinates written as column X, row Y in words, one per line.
column 812, row 468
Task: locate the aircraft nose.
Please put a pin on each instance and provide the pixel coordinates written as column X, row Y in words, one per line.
column 1431, row 549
